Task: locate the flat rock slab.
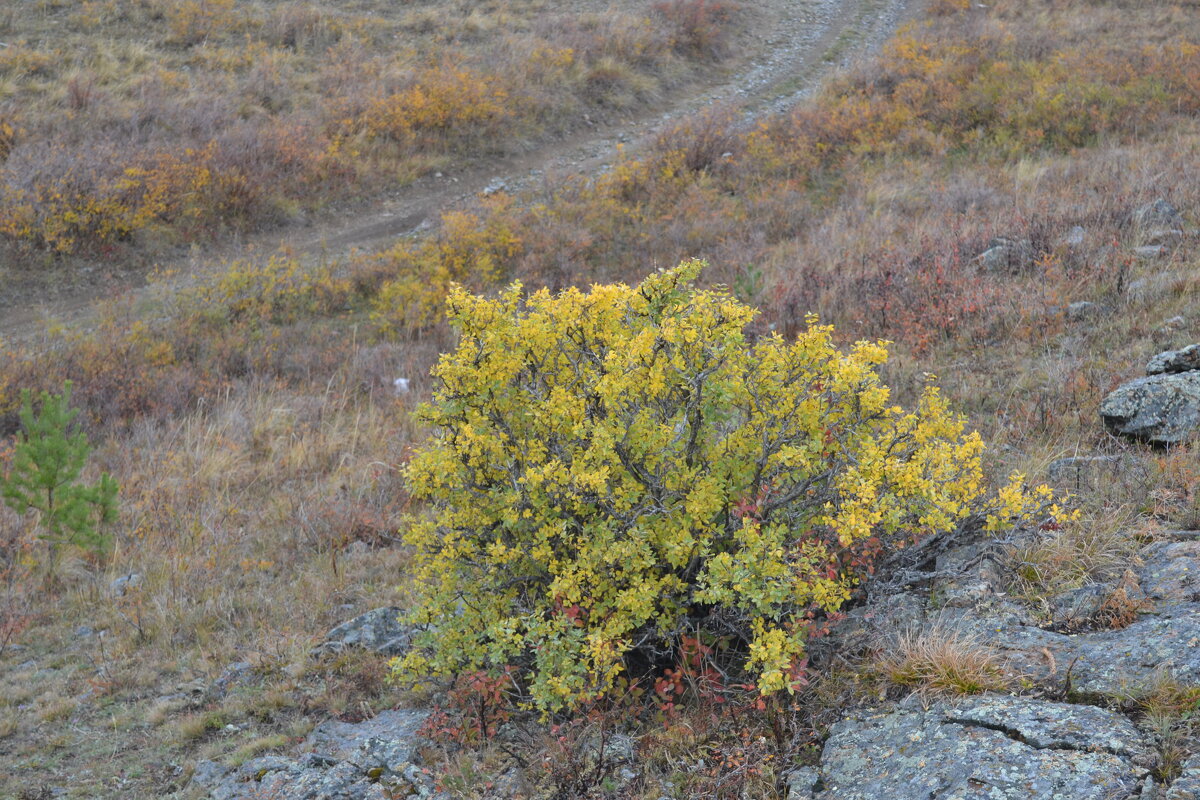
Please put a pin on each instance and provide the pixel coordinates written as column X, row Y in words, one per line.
column 371, row 760
column 1171, row 572
column 1055, row 726
column 388, row 740
column 1106, row 662
column 998, row 748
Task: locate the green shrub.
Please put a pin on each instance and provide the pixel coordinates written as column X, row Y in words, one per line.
column 615, row 470
column 47, row 461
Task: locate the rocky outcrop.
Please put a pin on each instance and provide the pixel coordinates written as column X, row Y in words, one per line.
column 1162, row 408
column 121, row 586
column 991, row 746
column 1159, row 215
column 1161, row 597
column 1173, row 361
column 371, row 760
column 1071, row 644
column 1187, row 785
column 379, row 630
column 1085, row 309
column 1171, row 572
column 1007, row 255
column 1106, row 662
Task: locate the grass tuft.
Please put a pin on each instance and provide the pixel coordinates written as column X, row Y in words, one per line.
column 940, row 661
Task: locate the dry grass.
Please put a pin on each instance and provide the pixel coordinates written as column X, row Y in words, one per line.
column 1095, row 549
column 130, row 125
column 1170, row 710
column 255, row 525
column 938, row 660
column 252, row 423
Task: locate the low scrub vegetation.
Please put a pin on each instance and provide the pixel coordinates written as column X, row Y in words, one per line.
column 260, row 438
column 616, row 471
column 197, row 117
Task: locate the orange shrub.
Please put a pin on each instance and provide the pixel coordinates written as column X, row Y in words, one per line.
column 439, row 105
column 466, row 250
column 195, row 21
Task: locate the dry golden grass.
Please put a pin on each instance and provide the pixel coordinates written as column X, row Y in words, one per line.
column 1094, row 549
column 939, row 660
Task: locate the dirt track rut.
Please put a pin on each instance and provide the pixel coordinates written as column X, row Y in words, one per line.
column 800, row 42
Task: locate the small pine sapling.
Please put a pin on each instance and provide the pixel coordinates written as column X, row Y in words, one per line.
column 47, row 461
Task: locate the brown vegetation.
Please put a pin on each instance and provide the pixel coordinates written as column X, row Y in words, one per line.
column 252, row 422
column 186, row 119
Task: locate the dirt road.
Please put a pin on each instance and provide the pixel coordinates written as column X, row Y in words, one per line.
column 797, row 43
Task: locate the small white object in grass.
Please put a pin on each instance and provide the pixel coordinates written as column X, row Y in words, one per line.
column 401, row 385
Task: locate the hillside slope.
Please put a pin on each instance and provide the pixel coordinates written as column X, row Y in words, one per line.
column 1008, row 193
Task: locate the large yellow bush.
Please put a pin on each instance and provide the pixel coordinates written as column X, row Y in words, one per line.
column 612, row 470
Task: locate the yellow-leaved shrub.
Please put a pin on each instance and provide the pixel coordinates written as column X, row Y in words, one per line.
column 616, row 469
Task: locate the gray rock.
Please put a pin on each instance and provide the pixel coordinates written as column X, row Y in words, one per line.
column 1149, row 252
column 1158, row 409
column 342, row 782
column 1186, row 359
column 257, row 768
column 1176, row 323
column 388, row 741
column 802, row 782
column 379, row 630
column 1163, row 236
column 511, row 783
column 992, row 747
column 973, row 577
column 1110, row 662
column 316, row 761
column 419, row 779
column 1187, row 785
column 1056, row 726
column 1157, row 215
column 1089, row 473
column 235, row 673
column 1142, row 287
column 1164, row 636
column 371, row 760
column 618, row 748
column 1085, row 309
column 1077, row 608
column 1171, row 572
column 120, row 586
column 496, row 185
column 1007, row 255
column 1105, row 662
column 1076, row 237
column 209, row 774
